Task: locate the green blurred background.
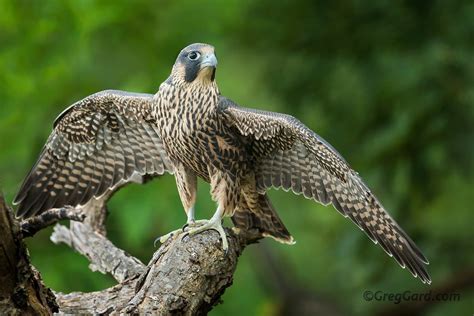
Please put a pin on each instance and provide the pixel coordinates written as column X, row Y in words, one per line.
column 389, row 83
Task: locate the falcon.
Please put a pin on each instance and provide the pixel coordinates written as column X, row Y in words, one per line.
column 190, row 130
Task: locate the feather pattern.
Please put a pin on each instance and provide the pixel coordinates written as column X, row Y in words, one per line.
column 97, row 144
column 292, row 157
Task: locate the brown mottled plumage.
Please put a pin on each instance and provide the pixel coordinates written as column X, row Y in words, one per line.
column 189, row 129
column 97, row 144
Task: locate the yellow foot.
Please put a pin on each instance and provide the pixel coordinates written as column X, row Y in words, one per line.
column 193, row 223
column 176, row 232
column 209, row 224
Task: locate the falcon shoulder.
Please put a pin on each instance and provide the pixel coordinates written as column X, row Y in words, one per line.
column 97, row 144
column 289, row 155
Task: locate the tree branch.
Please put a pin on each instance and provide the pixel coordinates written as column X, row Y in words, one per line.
column 103, row 255
column 31, row 226
column 184, row 277
column 21, row 289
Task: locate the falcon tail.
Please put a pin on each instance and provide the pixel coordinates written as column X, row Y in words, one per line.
column 264, row 218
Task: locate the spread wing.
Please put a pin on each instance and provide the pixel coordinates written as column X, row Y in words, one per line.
column 290, row 156
column 97, row 144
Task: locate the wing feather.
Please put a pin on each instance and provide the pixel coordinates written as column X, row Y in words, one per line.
column 296, row 158
column 97, row 144
column 119, row 171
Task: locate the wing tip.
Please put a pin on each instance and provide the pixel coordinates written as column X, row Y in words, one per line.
column 25, row 211
column 416, row 264
column 16, row 200
column 21, row 212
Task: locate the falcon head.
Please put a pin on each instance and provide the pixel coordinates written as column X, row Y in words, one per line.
column 195, row 63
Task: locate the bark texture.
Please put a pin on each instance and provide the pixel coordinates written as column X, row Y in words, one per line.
column 186, row 276
column 21, row 288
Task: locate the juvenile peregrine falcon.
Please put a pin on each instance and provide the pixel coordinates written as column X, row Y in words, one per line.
column 188, row 128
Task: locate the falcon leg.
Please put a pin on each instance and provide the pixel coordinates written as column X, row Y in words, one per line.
column 186, row 181
column 191, row 222
column 214, row 223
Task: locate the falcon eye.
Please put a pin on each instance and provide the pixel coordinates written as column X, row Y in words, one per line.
column 194, row 55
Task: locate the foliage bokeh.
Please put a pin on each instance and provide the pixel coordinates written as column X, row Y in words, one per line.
column 390, row 84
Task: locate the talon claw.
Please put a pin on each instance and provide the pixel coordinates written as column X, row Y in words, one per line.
column 162, row 239
column 196, row 227
column 186, row 234
column 225, row 245
column 185, row 226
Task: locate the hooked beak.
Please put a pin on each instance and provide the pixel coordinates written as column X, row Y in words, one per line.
column 209, row 60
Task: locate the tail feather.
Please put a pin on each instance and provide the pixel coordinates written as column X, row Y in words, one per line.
column 264, row 218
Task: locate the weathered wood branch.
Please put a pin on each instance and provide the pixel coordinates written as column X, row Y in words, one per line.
column 21, row 289
column 31, row 226
column 102, row 254
column 185, row 276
